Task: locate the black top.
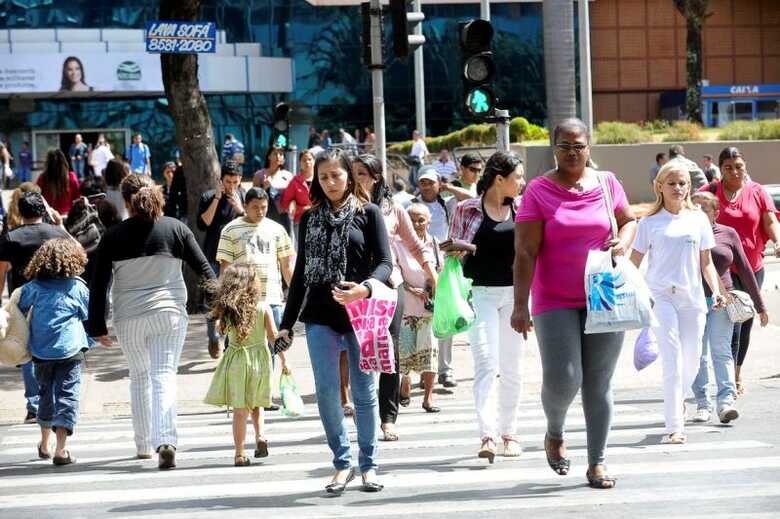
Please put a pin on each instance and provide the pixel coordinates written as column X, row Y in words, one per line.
column 223, row 216
column 368, row 256
column 491, row 265
column 176, row 196
column 135, row 238
column 18, row 246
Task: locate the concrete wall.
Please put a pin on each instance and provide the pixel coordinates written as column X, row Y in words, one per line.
column 632, row 162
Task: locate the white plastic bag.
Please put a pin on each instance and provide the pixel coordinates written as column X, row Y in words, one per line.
column 14, row 333
column 617, row 296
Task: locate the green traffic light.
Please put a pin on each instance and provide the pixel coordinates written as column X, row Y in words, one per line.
column 479, row 101
column 281, row 141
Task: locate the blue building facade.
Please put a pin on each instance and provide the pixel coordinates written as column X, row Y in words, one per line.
column 331, row 88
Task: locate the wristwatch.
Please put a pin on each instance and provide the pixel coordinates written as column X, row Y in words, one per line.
column 368, row 286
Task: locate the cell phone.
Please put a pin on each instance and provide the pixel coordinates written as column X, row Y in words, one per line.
column 97, row 196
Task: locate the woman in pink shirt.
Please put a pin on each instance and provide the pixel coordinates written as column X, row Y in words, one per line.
column 562, row 217
column 747, row 208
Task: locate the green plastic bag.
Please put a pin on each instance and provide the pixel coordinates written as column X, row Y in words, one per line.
column 452, row 310
column 292, row 403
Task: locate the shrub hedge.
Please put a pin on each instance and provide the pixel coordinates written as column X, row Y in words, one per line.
column 751, row 130
column 615, row 132
column 683, row 131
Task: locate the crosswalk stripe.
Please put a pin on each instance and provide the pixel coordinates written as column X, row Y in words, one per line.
column 409, row 423
column 321, row 448
column 493, row 475
column 47, row 481
column 463, row 423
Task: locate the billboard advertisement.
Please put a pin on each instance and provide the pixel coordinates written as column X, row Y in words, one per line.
column 80, row 74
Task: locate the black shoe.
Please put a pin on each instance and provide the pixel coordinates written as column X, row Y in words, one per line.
column 448, row 381
column 31, row 418
column 167, row 457
column 339, row 488
column 272, row 407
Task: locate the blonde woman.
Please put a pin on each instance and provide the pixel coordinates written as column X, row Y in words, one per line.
column 677, row 238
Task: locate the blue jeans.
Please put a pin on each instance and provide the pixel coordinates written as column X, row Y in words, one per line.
column 60, row 382
column 78, row 168
column 30, row 387
column 325, row 346
column 24, row 174
column 717, row 336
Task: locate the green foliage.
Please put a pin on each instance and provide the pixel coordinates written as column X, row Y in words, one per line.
column 476, row 134
column 683, row 131
column 656, row 126
column 615, row 132
column 751, row 130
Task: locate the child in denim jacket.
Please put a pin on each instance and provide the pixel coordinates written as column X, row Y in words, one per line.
column 59, row 301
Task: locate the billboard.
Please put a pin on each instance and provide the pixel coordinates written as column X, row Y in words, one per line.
column 80, row 74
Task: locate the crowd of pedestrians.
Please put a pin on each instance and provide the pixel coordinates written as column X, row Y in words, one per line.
column 302, row 246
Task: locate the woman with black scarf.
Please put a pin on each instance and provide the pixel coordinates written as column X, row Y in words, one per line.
column 342, row 244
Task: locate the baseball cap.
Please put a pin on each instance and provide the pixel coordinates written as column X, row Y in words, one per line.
column 428, row 173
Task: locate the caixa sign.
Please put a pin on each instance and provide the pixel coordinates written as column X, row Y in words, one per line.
column 744, row 90
column 181, row 37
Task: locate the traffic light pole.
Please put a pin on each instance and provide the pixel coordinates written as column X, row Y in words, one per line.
column 377, row 82
column 419, row 78
column 484, row 9
column 502, row 130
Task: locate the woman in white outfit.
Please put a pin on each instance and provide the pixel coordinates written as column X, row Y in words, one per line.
column 144, row 255
column 488, row 222
column 677, row 238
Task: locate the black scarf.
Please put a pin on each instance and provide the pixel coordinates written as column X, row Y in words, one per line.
column 327, row 238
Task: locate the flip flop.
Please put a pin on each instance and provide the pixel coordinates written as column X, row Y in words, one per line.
column 600, row 482
column 431, row 408
column 43, row 455
column 389, row 436
column 674, row 439
column 261, row 448
column 241, row 461
column 405, row 401
column 64, row 460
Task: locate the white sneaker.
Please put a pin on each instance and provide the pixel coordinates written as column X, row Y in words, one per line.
column 727, row 414
column 702, row 415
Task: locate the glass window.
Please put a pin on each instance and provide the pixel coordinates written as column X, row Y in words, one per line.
column 743, row 110
column 769, row 109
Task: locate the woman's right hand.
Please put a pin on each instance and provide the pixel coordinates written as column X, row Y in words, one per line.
column 521, row 320
column 285, row 334
column 764, row 318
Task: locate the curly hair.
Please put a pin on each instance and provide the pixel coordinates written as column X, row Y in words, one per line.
column 59, row 258
column 234, row 298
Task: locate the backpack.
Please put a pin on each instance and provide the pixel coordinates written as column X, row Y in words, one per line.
column 84, row 225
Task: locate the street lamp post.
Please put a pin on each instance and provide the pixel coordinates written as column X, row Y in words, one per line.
column 586, row 86
column 377, row 82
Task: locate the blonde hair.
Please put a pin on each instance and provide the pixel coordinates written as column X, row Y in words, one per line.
column 14, row 218
column 234, row 299
column 660, row 178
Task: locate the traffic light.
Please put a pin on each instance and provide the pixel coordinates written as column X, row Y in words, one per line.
column 479, row 68
column 407, row 35
column 280, row 132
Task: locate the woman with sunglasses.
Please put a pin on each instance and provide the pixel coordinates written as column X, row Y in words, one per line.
column 562, row 217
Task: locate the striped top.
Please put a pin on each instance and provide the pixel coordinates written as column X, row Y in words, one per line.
column 263, row 245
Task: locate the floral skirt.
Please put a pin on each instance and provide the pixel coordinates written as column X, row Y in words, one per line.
column 242, row 379
column 418, row 349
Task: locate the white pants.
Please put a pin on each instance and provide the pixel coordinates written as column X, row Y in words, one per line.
column 152, row 345
column 679, row 334
column 497, row 351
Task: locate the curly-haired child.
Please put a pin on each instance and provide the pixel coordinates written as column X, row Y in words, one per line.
column 242, row 379
column 59, row 300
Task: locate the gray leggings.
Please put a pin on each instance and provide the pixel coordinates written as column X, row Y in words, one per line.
column 570, row 360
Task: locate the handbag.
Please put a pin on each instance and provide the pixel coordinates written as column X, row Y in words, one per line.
column 740, row 308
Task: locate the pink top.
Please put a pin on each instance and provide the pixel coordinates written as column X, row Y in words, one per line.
column 400, row 228
column 745, row 215
column 574, row 224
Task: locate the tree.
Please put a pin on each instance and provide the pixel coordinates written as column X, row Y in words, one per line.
column 194, row 134
column 694, row 12
column 559, row 68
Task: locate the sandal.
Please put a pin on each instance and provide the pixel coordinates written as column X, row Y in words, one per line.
column 674, row 439
column 261, row 448
column 431, row 408
column 388, row 434
column 486, row 451
column 349, row 410
column 512, row 448
column 64, row 460
column 600, row 482
column 405, row 401
column 241, row 460
column 43, row 455
column 740, row 388
column 334, row 487
column 560, row 466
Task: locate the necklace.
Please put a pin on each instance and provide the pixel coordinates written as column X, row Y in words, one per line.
column 730, row 195
column 568, row 184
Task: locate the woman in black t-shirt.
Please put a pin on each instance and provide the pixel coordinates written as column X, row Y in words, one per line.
column 488, row 223
column 342, row 244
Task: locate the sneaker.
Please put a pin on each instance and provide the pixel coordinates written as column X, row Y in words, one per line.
column 167, row 454
column 703, row 415
column 31, row 418
column 727, row 414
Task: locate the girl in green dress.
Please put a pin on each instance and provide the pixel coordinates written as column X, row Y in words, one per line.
column 242, row 379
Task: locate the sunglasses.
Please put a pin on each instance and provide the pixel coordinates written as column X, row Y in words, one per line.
column 566, row 147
